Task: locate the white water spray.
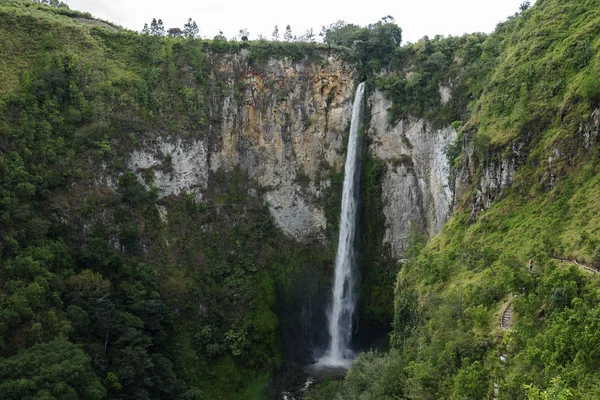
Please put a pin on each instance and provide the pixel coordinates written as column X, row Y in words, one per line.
column 344, row 296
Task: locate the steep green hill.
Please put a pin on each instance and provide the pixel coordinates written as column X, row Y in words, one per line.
column 526, row 166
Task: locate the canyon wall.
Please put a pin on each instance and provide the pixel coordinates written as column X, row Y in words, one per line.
column 282, row 122
column 416, row 188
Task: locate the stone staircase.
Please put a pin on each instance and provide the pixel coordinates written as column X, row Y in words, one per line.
column 507, row 317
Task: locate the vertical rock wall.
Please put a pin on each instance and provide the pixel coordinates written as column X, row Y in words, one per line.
column 281, row 121
column 416, row 187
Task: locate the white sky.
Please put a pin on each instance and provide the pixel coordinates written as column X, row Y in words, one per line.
column 417, row 18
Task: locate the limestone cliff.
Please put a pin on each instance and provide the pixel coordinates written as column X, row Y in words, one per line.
column 416, row 187
column 496, row 174
column 282, row 122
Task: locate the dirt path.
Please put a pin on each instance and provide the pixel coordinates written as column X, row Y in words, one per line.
column 581, row 266
column 507, row 316
column 97, row 23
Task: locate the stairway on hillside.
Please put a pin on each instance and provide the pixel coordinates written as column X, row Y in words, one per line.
column 507, row 317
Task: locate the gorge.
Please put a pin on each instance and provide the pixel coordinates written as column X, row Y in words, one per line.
column 171, row 209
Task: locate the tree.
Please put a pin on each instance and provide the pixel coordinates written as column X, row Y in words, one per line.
column 557, row 391
column 389, row 27
column 327, row 30
column 244, row 34
column 275, row 34
column 470, row 382
column 157, row 28
column 175, row 32
column 190, row 29
column 53, row 3
column 107, row 320
column 220, row 36
column 309, row 35
column 323, row 33
column 146, row 30
column 388, row 19
column 525, row 6
column 384, row 35
column 85, row 288
column 287, row 36
column 58, row 369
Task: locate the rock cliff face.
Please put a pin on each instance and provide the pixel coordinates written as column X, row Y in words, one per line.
column 176, row 167
column 496, row 175
column 282, row 122
column 416, row 187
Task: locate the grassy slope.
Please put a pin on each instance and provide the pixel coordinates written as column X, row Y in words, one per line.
column 535, row 83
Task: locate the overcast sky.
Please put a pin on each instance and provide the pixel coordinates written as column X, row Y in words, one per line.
column 417, row 18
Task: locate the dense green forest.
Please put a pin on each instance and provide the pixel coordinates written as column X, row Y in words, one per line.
column 99, row 298
column 92, row 303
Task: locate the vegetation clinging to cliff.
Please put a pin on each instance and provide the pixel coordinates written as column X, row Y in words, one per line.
column 373, row 47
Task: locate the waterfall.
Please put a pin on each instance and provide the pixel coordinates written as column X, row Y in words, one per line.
column 344, row 297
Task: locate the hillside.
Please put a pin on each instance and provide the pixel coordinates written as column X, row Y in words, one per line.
column 526, row 172
column 169, row 209
column 139, row 257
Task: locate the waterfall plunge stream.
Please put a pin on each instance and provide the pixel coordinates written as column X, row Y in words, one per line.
column 343, row 302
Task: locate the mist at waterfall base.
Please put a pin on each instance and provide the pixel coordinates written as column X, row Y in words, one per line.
column 340, row 316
